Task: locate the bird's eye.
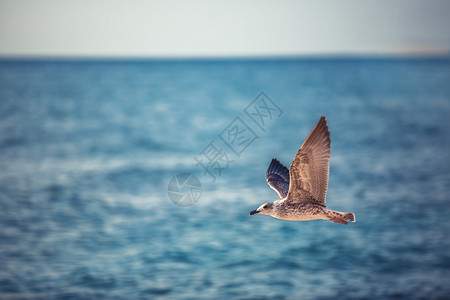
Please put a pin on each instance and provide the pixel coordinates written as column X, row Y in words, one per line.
column 265, row 206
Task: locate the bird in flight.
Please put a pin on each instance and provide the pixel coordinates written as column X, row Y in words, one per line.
column 303, row 188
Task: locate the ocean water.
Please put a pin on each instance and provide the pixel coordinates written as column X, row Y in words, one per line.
column 88, row 148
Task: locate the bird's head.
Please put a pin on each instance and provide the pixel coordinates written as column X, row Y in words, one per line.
column 266, row 209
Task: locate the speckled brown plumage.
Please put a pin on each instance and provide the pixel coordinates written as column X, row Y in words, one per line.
column 303, row 192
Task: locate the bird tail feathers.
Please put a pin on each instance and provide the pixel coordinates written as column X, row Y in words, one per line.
column 341, row 217
column 349, row 217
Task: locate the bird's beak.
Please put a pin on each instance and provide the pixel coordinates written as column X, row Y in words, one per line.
column 253, row 212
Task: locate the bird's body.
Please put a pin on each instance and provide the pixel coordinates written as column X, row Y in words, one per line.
column 297, row 211
column 302, row 189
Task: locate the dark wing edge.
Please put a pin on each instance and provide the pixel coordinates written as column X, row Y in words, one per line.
column 310, row 167
column 277, row 177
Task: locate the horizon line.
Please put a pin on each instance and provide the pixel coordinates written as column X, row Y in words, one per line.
column 330, row 55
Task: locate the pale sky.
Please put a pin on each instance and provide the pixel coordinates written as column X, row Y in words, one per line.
column 183, row 28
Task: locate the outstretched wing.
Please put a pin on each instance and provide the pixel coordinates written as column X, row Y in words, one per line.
column 278, row 178
column 310, row 168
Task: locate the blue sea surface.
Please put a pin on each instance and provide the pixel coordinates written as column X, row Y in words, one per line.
column 88, row 147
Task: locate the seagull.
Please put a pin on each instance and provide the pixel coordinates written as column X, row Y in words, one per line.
column 303, row 188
